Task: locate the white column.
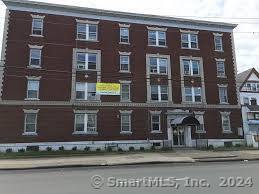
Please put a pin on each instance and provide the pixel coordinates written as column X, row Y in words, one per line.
column 169, row 133
column 188, row 136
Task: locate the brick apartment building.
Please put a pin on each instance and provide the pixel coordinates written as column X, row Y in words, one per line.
column 177, row 76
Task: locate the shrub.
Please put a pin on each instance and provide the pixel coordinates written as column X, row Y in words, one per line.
column 49, row 149
column 211, row 147
column 9, row 150
column 32, row 148
column 109, row 149
column 61, row 148
column 87, row 148
column 153, row 147
column 74, row 148
column 98, row 149
column 120, row 150
column 21, row 150
column 142, row 149
column 238, row 145
column 131, row 149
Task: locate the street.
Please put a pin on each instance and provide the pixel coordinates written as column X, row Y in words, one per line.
column 190, row 178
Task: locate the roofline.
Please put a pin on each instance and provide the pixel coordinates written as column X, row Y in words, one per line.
column 102, row 12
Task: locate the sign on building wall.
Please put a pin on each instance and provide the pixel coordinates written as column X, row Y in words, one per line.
column 112, row 89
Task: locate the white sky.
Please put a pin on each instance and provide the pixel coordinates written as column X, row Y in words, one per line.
column 234, row 11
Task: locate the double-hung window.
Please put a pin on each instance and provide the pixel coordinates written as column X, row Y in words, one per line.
column 155, row 122
column 192, row 94
column 87, row 31
column 220, row 68
column 86, row 91
column 191, row 67
column 124, row 35
column 218, row 42
column 156, row 38
column 159, row 92
column 125, row 122
column 223, row 94
column 33, row 89
column 158, row 65
column 225, row 119
column 85, row 123
column 125, row 92
column 30, row 122
column 35, row 57
column 86, row 61
column 37, row 25
column 124, row 63
column 189, row 40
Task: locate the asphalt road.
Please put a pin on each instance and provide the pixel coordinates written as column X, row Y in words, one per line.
column 231, row 177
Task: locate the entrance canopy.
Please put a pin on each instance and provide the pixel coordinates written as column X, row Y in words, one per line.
column 186, row 120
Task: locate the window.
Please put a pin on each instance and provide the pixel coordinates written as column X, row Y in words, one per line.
column 246, row 100
column 87, row 31
column 85, row 123
column 159, row 92
column 257, row 116
column 86, row 61
column 155, row 122
column 191, row 67
column 220, row 68
column 86, row 91
column 218, row 43
column 124, row 63
column 33, row 89
column 30, row 123
column 225, row 122
column 223, row 94
column 125, row 122
column 156, row 38
column 35, row 57
column 253, row 101
column 124, row 35
column 158, row 65
column 37, row 26
column 125, row 92
column 189, row 40
column 254, row 87
column 192, row 94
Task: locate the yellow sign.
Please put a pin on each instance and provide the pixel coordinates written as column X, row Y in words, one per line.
column 112, row 89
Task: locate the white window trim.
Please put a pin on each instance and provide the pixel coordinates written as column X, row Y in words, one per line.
column 155, row 113
column 157, row 38
column 87, row 23
column 221, row 60
column 191, row 67
column 37, row 17
column 228, row 115
column 32, row 78
column 218, row 35
column 159, row 94
column 158, row 65
column 125, row 82
column 86, row 132
column 86, row 92
column 31, row 111
column 189, row 33
column 226, row 87
column 128, row 113
column 125, row 26
column 193, row 95
column 125, row 54
column 40, row 49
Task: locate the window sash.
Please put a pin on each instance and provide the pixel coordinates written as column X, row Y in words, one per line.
column 158, row 65
column 218, row 43
column 33, row 89
column 124, row 35
column 156, row 38
column 35, row 57
column 124, row 63
column 87, row 31
column 37, row 26
column 189, row 40
column 226, row 123
column 86, row 91
column 125, row 92
column 223, row 95
column 193, row 94
column 155, row 123
column 30, row 122
column 86, row 123
column 220, row 68
column 159, row 93
column 191, row 67
column 86, row 61
column 125, row 122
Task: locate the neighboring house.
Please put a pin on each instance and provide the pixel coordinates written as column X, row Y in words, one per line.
column 177, row 76
column 249, row 95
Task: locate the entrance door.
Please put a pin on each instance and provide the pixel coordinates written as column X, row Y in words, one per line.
column 178, row 136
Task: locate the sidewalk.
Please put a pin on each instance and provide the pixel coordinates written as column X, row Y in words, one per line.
column 178, row 156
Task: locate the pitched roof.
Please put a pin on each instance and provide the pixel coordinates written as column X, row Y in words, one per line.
column 244, row 76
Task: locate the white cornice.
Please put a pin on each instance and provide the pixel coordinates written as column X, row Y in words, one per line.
column 122, row 17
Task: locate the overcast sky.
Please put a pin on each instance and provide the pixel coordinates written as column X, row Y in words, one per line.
column 243, row 12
